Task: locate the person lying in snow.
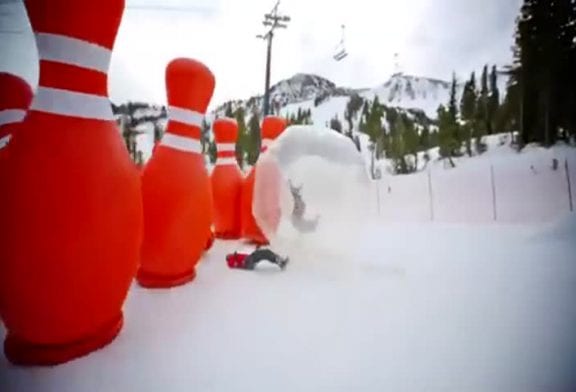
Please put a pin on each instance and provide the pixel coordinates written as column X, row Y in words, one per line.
column 248, row 261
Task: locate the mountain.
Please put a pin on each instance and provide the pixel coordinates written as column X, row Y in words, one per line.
column 400, row 91
column 299, row 88
column 412, row 92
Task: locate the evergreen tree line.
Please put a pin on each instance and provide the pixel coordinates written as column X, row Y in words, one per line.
column 542, row 93
column 248, row 142
column 129, row 134
column 400, row 137
column 462, row 126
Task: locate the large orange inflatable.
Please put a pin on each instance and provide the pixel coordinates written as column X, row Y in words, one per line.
column 226, row 181
column 15, row 99
column 175, row 183
column 272, row 127
column 72, row 217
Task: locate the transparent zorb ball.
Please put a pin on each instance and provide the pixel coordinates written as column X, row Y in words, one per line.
column 312, row 193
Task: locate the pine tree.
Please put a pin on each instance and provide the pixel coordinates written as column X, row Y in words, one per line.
column 243, row 141
column 158, row 132
column 494, row 99
column 425, row 140
column 352, row 107
column 212, row 151
column 448, row 143
column 335, row 124
column 365, row 110
column 229, row 112
column 453, row 129
column 397, row 146
column 204, row 136
column 411, row 142
column 483, row 100
column 374, row 122
column 254, row 138
column 544, row 69
column 468, row 104
column 452, row 106
column 468, row 112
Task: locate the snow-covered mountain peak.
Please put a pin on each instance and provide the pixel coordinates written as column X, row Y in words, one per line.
column 300, row 87
column 401, row 87
column 412, row 92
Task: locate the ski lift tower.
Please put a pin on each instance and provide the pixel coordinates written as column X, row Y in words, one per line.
column 272, row 20
column 397, row 67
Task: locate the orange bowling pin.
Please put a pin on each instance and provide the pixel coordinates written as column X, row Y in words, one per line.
column 73, row 213
column 226, row 181
column 272, row 127
column 15, row 98
column 176, row 188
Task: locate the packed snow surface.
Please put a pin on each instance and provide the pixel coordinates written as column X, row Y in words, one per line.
column 427, row 307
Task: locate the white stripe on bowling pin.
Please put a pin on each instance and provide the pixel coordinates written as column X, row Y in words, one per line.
column 9, row 116
column 72, row 51
column 72, row 103
column 4, row 141
column 225, row 147
column 226, row 161
column 185, row 116
column 182, row 143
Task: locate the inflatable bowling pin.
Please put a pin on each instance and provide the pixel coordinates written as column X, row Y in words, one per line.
column 226, row 181
column 272, row 127
column 176, row 188
column 15, row 99
column 73, row 209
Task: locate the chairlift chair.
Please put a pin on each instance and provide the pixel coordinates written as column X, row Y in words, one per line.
column 341, row 52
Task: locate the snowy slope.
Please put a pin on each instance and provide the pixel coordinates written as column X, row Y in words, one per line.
column 419, row 308
column 321, row 114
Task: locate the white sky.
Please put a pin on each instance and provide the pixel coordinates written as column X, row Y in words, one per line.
column 433, row 38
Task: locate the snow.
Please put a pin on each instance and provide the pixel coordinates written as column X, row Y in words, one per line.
column 526, row 188
column 321, row 114
column 420, row 307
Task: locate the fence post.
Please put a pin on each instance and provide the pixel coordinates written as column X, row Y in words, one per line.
column 431, row 197
column 495, row 214
column 378, row 197
column 569, row 185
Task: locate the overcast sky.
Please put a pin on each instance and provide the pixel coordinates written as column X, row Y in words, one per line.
column 432, row 37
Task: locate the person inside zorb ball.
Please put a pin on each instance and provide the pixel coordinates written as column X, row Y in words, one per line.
column 312, row 194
